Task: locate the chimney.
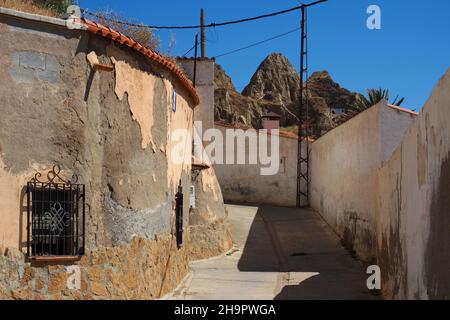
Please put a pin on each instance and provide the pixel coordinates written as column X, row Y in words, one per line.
column 271, row 121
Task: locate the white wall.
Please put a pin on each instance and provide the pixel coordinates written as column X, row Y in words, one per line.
column 244, row 182
column 204, row 84
column 386, row 192
column 413, row 205
column 343, row 181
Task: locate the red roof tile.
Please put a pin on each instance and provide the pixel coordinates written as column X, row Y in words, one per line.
column 118, row 37
column 281, row 133
column 403, row 109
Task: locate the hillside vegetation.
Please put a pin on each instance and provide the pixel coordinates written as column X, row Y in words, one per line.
column 51, row 8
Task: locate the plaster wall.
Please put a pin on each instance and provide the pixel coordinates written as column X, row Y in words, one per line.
column 383, row 186
column 413, row 206
column 204, row 84
column 245, row 183
column 95, row 124
column 342, row 161
column 114, row 130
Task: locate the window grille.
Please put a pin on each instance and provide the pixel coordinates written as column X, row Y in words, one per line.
column 55, row 216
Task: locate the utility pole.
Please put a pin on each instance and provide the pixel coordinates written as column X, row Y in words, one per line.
column 302, row 158
column 303, row 179
column 202, row 33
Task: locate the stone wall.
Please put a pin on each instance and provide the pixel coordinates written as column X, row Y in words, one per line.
column 142, row 269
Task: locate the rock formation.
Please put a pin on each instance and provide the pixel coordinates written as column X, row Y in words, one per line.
column 275, row 87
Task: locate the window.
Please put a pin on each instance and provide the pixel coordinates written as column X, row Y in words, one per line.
column 174, row 101
column 55, row 217
column 192, row 197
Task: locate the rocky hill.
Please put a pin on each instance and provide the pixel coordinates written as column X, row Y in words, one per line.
column 275, row 87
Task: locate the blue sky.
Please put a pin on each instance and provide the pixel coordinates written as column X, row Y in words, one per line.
column 408, row 55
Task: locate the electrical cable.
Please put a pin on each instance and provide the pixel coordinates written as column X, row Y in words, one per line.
column 184, row 55
column 211, row 25
column 257, row 43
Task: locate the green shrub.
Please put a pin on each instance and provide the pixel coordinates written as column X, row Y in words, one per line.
column 57, row 6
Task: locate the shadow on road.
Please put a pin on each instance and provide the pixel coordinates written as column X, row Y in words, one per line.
column 299, row 244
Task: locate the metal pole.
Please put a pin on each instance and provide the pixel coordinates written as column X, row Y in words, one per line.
column 195, row 59
column 300, row 111
column 29, row 224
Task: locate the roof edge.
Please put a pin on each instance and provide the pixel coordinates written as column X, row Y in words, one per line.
column 118, row 37
column 414, row 113
column 69, row 23
column 281, row 133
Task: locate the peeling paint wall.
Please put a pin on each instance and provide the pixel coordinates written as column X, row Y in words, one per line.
column 139, row 87
column 114, row 130
column 208, row 198
column 94, row 124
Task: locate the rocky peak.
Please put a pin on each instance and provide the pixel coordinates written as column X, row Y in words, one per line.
column 275, row 80
column 221, row 79
column 275, row 87
column 321, row 84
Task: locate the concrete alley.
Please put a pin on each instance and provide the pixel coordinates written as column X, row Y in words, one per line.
column 279, row 253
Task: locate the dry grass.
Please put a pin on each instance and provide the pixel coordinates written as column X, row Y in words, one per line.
column 139, row 33
column 27, row 6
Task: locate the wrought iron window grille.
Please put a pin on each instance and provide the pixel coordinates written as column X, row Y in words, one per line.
column 55, row 216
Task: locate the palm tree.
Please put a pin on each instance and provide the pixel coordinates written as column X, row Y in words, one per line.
column 373, row 97
column 363, row 103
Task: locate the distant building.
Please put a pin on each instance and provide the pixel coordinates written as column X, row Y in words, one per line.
column 338, row 111
column 271, row 121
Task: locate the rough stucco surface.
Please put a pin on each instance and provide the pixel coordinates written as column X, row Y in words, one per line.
column 413, row 222
column 404, row 198
column 204, row 84
column 208, row 199
column 344, row 168
column 342, row 161
column 96, row 125
column 138, row 86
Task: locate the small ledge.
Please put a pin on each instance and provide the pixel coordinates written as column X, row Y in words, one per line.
column 93, row 60
column 103, row 67
column 56, row 259
column 199, row 165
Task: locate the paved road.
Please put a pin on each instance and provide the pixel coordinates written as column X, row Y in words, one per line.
column 280, row 253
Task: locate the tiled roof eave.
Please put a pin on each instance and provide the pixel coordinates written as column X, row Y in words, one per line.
column 154, row 56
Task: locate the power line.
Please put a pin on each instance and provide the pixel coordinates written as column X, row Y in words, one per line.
column 211, row 25
column 257, row 43
column 184, row 55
